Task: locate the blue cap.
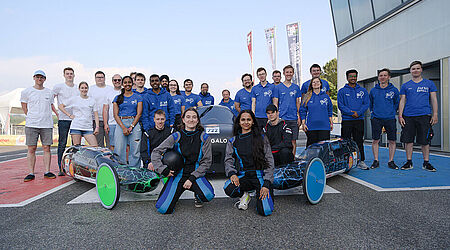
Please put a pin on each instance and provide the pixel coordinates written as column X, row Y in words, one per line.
column 39, row 72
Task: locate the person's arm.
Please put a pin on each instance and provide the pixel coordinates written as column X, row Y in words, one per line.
column 230, row 169
column 24, row 107
column 105, row 115
column 146, row 110
column 63, row 109
column 55, row 111
column 268, row 172
column 212, row 103
column 158, row 152
column 253, row 104
column 199, row 103
column 205, row 162
column 171, row 108
column 138, row 115
column 371, row 101
column 275, row 101
column 396, row 99
column 401, row 106
column 237, row 106
column 286, row 139
column 97, row 122
column 341, row 105
column 118, row 120
column 434, row 105
column 330, row 112
column 297, row 103
column 365, row 105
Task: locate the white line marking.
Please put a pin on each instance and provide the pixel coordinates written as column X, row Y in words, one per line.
column 37, row 197
column 91, row 195
column 380, row 189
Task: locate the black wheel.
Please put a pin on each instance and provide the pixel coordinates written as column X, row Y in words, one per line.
column 108, row 186
column 314, row 181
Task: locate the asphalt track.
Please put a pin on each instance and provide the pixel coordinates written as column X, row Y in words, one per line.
column 357, row 216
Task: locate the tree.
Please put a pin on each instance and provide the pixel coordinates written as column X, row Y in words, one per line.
column 330, row 74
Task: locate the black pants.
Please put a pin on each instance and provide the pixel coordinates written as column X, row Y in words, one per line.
column 63, row 132
column 354, row 130
column 145, row 154
column 283, row 156
column 173, row 189
column 314, row 136
column 248, row 181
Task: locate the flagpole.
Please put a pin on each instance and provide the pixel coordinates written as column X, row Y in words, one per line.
column 275, row 46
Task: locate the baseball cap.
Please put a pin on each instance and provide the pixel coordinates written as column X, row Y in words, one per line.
column 39, row 72
column 272, row 108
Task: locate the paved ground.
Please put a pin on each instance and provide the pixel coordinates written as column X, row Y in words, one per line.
column 354, row 217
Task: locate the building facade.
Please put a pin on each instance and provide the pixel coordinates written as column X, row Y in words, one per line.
column 376, row 34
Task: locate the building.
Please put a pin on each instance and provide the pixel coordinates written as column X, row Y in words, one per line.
column 374, row 34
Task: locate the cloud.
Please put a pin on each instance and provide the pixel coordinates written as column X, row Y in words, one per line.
column 18, row 72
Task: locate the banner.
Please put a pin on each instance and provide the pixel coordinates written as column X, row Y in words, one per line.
column 250, row 50
column 271, row 44
column 293, row 35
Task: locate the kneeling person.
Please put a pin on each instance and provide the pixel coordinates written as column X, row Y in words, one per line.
column 153, row 137
column 279, row 135
column 195, row 147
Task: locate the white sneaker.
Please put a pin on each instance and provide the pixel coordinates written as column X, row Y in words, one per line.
column 362, row 165
column 243, row 201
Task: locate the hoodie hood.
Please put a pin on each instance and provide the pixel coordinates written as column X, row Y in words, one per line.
column 207, row 94
column 162, row 92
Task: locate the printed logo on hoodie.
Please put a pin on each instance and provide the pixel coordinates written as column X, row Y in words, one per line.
column 360, row 94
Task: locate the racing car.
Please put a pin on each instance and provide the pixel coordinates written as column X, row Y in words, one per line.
column 218, row 123
column 315, row 164
column 102, row 167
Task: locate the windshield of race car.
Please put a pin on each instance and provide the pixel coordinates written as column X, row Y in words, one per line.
column 211, row 115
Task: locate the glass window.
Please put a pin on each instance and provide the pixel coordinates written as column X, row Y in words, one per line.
column 382, row 7
column 342, row 21
column 361, row 13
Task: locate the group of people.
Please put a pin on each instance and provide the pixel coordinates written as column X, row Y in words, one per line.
column 141, row 124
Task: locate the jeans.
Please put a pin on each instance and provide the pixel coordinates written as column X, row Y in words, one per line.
column 63, row 131
column 112, row 130
column 133, row 139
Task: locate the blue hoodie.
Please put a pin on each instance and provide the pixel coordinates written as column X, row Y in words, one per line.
column 207, row 99
column 162, row 101
column 230, row 105
column 352, row 99
column 384, row 102
column 317, row 112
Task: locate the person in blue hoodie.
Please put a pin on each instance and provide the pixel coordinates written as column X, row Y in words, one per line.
column 316, row 112
column 228, row 102
column 157, row 98
column 353, row 101
column 192, row 100
column 384, row 99
column 206, row 98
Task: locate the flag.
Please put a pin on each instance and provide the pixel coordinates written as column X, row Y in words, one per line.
column 250, row 50
column 270, row 38
column 295, row 56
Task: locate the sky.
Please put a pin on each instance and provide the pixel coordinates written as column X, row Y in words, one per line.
column 201, row 40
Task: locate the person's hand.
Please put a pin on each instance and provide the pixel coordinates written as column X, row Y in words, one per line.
column 72, row 117
column 150, row 167
column 106, row 127
column 401, row 121
column 130, row 129
column 125, row 131
column 434, row 119
column 331, row 125
column 355, row 114
column 304, row 127
column 96, row 130
column 187, row 184
column 171, row 172
column 264, row 193
column 234, row 180
column 299, row 122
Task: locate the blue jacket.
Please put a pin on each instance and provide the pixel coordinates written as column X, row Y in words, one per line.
column 384, row 102
column 207, row 99
column 144, row 105
column 317, row 111
column 230, row 105
column 353, row 99
column 162, row 101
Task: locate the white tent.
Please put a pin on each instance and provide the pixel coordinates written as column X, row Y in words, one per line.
column 9, row 104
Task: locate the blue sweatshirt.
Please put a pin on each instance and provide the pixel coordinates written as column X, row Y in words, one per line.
column 162, row 101
column 244, row 98
column 317, row 111
column 263, row 97
column 207, row 99
column 352, row 99
column 191, row 100
column 287, row 100
column 230, row 105
column 384, row 102
column 178, row 101
column 305, row 86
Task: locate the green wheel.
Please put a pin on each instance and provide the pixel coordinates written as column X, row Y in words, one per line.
column 314, row 181
column 108, row 186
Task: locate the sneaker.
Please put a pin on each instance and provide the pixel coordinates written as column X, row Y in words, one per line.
column 244, row 201
column 427, row 166
column 198, row 203
column 61, row 173
column 392, row 165
column 29, row 177
column 375, row 164
column 362, row 165
column 407, row 166
column 49, row 175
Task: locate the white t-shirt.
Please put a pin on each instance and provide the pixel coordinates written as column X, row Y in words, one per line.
column 39, row 104
column 108, row 100
column 99, row 96
column 83, row 110
column 64, row 92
